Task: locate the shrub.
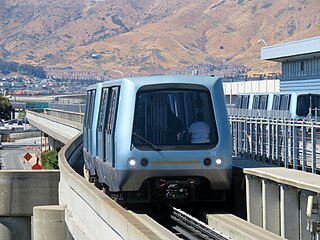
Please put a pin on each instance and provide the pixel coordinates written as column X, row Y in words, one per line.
column 50, row 160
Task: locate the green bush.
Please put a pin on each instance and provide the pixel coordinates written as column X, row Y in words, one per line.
column 50, row 160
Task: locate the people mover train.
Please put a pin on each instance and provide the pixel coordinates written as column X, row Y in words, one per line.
column 140, row 146
column 294, row 105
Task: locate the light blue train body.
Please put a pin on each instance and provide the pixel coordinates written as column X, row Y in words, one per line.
column 137, row 143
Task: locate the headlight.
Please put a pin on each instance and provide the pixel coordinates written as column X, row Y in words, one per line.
column 218, row 161
column 132, row 162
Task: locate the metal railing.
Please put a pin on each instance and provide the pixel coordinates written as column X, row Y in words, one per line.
column 283, row 142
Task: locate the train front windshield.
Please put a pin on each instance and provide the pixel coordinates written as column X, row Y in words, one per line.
column 174, row 118
column 308, row 103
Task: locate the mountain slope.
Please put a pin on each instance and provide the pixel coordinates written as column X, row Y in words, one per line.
column 151, row 36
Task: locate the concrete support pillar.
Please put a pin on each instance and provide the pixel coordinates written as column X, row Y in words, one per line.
column 254, row 200
column 289, row 205
column 12, row 228
column 271, row 206
column 5, row 233
column 49, row 223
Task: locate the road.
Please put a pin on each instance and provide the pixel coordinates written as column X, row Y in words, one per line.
column 12, row 154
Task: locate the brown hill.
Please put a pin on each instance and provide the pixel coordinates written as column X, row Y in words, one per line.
column 151, row 36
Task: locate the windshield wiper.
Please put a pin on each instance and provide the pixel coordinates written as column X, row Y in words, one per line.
column 154, row 147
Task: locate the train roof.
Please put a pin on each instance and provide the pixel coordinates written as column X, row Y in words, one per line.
column 160, row 79
column 279, row 93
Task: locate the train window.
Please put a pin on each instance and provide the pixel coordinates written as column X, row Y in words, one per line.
column 284, row 102
column 276, row 102
column 245, row 102
column 263, row 102
column 303, row 105
column 260, row 102
column 255, row 104
column 91, row 106
column 163, row 116
column 102, row 111
column 111, row 111
column 238, row 102
column 315, row 105
column 87, row 109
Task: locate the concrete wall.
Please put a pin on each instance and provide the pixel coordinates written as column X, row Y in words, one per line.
column 20, row 191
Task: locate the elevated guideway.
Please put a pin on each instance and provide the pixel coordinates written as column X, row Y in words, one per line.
column 90, row 214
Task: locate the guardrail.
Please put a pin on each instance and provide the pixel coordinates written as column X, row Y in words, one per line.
column 283, row 142
column 89, row 213
column 69, row 115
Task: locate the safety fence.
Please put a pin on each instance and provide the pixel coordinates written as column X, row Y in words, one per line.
column 284, row 142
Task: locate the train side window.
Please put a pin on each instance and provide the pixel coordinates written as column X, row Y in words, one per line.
column 276, row 102
column 263, row 102
column 238, row 102
column 91, row 106
column 112, row 107
column 315, row 105
column 255, row 104
column 245, row 102
column 103, row 109
column 303, row 105
column 284, row 102
column 87, row 109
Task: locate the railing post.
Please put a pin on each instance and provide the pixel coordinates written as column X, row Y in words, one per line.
column 263, row 140
column 236, row 138
column 252, row 133
column 277, row 142
column 304, row 146
column 295, row 145
column 285, row 145
column 257, row 140
column 313, row 148
column 270, row 140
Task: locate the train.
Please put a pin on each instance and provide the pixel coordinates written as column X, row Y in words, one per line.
column 299, row 105
column 139, row 146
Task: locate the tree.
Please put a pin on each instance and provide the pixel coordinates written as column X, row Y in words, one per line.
column 49, row 160
column 5, row 108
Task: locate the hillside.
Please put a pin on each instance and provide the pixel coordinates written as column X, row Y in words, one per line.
column 151, row 36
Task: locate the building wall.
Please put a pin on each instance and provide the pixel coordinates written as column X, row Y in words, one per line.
column 303, row 74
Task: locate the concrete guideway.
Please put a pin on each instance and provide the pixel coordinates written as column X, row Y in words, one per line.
column 91, row 214
column 237, row 228
column 58, row 128
column 276, row 198
column 276, row 201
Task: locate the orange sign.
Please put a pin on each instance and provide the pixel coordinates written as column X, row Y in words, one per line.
column 36, row 166
column 27, row 156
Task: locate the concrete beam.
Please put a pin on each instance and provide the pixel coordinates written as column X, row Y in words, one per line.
column 58, row 128
column 20, row 191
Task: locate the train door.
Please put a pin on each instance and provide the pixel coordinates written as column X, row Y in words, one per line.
column 89, row 121
column 85, row 122
column 102, row 124
column 113, row 99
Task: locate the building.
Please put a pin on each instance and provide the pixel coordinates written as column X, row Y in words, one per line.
column 300, row 63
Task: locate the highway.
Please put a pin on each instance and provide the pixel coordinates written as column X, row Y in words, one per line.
column 12, row 154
